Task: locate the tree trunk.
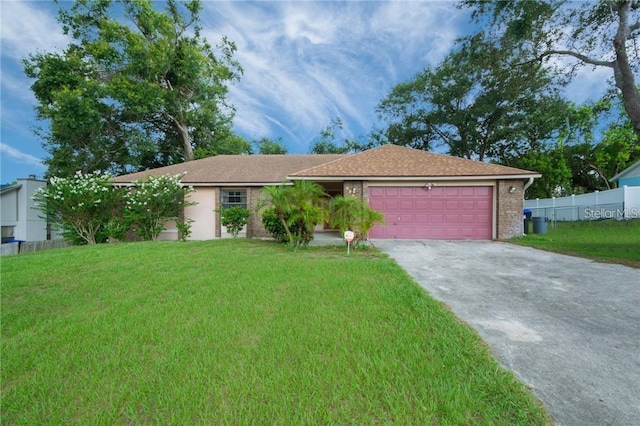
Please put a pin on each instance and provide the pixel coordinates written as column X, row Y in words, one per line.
column 623, row 73
column 187, row 149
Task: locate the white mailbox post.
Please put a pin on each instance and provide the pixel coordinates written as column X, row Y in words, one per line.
column 348, row 236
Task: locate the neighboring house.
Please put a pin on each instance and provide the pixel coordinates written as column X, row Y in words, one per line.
column 422, row 195
column 628, row 177
column 20, row 219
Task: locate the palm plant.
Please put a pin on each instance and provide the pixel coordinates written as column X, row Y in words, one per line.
column 301, row 206
column 277, row 197
column 353, row 213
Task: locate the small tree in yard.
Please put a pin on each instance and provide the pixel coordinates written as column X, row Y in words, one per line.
column 154, row 202
column 234, row 219
column 300, row 206
column 82, row 206
column 354, row 214
column 274, row 226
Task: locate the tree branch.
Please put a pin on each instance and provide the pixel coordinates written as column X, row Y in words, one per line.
column 601, row 174
column 577, row 55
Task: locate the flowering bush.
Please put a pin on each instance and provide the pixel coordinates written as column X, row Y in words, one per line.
column 151, row 203
column 81, row 206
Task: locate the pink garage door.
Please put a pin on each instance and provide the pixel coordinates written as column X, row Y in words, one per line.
column 439, row 213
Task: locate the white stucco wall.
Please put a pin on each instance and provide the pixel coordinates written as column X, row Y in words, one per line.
column 9, row 207
column 170, row 232
column 19, row 210
column 203, row 214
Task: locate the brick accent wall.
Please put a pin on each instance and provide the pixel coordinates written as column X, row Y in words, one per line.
column 218, row 225
column 255, row 229
column 509, row 209
column 355, row 188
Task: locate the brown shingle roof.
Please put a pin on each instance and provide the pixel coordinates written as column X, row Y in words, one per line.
column 387, row 161
column 399, row 161
column 230, row 169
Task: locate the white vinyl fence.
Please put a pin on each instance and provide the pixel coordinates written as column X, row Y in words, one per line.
column 620, row 203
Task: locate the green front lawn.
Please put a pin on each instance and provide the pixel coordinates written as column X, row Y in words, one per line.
column 616, row 241
column 239, row 332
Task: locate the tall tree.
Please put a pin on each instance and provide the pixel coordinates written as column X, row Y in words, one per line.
column 227, row 143
column 137, row 88
column 267, row 146
column 332, row 140
column 602, row 33
column 551, row 163
column 474, row 105
column 602, row 144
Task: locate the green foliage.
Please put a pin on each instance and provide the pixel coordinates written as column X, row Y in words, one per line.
column 89, row 209
column 137, row 88
column 184, row 227
column 151, row 203
column 552, row 164
column 332, row 140
column 118, row 227
column 267, row 146
column 82, row 205
column 474, row 105
column 602, row 34
column 273, row 226
column 299, row 208
column 597, row 152
column 354, row 214
column 226, row 143
column 276, row 229
column 234, row 218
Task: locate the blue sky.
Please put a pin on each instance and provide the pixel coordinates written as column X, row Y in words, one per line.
column 305, row 63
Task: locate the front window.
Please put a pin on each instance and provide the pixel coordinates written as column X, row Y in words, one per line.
column 234, row 198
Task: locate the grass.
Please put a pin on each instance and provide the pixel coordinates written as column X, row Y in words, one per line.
column 239, row 332
column 605, row 241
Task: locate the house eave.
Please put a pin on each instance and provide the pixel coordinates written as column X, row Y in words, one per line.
column 215, row 184
column 625, row 172
column 420, row 178
column 11, row 189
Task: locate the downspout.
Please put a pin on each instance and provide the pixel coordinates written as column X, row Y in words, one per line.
column 526, row 185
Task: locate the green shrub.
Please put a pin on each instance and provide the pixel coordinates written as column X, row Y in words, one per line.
column 234, row 219
column 184, row 227
column 301, row 205
column 274, row 227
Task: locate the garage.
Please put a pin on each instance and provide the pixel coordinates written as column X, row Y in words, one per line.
column 424, row 195
column 440, row 212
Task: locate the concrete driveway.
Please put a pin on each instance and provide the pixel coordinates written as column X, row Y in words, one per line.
column 569, row 328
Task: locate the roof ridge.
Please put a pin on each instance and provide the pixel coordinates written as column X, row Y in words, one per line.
column 389, row 154
column 324, row 164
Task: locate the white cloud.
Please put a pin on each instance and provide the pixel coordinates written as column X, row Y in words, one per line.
column 308, row 63
column 29, row 26
column 589, row 84
column 20, row 156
